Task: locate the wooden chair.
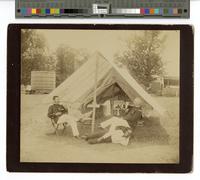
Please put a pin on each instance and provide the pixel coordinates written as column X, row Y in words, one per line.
column 56, row 126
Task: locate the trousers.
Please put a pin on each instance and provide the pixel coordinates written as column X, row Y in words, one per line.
column 71, row 121
column 92, row 139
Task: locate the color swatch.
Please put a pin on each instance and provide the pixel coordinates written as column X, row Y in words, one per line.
column 110, row 8
column 136, row 11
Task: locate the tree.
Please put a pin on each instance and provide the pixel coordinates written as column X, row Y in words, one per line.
column 142, row 56
column 68, row 60
column 34, row 55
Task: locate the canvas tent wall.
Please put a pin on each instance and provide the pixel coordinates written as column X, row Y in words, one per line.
column 79, row 87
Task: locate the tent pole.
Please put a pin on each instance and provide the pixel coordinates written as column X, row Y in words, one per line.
column 95, row 95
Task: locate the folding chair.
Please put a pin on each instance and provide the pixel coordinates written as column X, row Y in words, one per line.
column 56, row 126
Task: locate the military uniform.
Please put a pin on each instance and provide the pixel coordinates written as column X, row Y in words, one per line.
column 55, row 108
column 63, row 117
column 133, row 116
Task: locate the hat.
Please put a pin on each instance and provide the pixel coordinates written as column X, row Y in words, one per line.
column 137, row 102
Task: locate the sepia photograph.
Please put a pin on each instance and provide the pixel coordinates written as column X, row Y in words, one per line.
column 100, row 96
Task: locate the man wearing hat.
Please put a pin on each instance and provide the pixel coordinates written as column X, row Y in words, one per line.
column 134, row 113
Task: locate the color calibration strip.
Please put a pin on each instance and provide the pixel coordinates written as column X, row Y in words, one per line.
column 134, row 11
column 102, row 8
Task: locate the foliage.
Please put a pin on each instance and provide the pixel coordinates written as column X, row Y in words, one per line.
column 68, row 60
column 142, row 56
column 34, row 55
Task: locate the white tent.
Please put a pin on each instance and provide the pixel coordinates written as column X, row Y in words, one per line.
column 79, row 87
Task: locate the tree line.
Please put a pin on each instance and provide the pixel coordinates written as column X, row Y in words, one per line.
column 141, row 57
column 35, row 56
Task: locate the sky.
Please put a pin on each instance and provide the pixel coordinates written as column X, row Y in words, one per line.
column 110, row 42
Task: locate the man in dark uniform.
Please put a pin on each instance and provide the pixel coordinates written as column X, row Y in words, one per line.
column 56, row 110
column 134, row 113
column 59, row 114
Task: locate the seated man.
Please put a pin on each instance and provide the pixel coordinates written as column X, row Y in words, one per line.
column 60, row 115
column 134, row 113
column 119, row 132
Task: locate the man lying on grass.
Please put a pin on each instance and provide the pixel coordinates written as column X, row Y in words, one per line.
column 119, row 132
column 120, row 128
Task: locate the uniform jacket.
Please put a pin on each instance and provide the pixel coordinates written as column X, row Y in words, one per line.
column 53, row 109
column 133, row 116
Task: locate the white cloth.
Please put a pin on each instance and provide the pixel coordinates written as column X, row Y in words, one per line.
column 107, row 108
column 113, row 122
column 116, row 135
column 71, row 121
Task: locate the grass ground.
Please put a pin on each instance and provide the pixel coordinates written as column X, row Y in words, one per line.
column 38, row 146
